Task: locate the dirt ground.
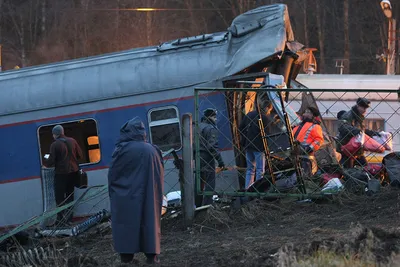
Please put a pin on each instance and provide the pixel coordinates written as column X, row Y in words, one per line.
column 262, row 233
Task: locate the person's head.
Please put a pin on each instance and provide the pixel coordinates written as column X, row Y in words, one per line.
column 267, row 107
column 210, row 114
column 133, row 130
column 264, row 103
column 362, row 105
column 340, row 114
column 310, row 113
column 57, row 131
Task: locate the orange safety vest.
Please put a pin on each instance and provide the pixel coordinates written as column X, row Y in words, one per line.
column 310, row 134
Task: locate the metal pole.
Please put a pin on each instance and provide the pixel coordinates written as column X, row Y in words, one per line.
column 394, row 50
column 391, row 57
column 264, row 137
column 294, row 147
column 187, row 156
column 0, row 59
column 397, row 53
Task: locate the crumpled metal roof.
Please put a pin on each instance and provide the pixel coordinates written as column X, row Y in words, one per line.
column 183, row 63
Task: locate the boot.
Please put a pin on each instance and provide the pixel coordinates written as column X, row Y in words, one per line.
column 152, row 259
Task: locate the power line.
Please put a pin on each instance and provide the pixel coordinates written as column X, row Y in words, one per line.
column 151, row 9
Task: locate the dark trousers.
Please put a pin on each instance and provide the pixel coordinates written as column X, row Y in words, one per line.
column 306, row 166
column 350, row 162
column 64, row 192
column 207, row 179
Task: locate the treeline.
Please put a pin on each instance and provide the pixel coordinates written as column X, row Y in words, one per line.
column 36, row 32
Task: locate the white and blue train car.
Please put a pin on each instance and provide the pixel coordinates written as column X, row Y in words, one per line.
column 384, row 113
column 92, row 97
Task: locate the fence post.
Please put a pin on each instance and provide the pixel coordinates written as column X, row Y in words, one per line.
column 187, row 156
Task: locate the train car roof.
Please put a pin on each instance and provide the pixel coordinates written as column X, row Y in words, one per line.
column 349, row 81
column 183, row 63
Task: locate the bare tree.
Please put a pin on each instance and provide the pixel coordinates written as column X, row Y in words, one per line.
column 321, row 36
column 189, row 4
column 346, row 36
column 305, row 14
column 43, row 26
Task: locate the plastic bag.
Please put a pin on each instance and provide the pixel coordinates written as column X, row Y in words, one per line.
column 385, row 139
column 326, row 177
column 354, row 144
column 332, row 186
column 370, row 144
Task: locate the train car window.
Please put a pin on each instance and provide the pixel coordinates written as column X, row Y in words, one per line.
column 165, row 128
column 83, row 131
column 332, row 125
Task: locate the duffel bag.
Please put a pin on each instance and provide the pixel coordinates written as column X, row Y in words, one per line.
column 392, row 168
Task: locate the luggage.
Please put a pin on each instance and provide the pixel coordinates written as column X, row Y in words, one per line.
column 385, row 139
column 362, row 141
column 392, row 168
column 370, row 144
column 81, row 180
column 286, row 182
column 375, row 170
column 359, row 181
column 353, row 145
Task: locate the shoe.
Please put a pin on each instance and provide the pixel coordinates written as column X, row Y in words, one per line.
column 153, row 260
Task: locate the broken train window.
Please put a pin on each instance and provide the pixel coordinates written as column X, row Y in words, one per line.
column 165, row 128
column 83, row 131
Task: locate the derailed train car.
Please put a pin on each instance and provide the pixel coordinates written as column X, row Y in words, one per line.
column 92, row 97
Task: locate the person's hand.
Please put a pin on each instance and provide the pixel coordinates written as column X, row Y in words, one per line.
column 355, row 132
column 221, row 165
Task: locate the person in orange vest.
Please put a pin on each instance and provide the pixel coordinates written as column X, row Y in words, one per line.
column 309, row 134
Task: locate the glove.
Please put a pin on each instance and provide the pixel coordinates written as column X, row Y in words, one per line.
column 221, row 164
column 178, row 163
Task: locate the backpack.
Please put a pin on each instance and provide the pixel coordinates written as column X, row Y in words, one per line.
column 392, row 168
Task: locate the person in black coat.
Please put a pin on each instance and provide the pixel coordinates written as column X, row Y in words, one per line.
column 135, row 180
column 351, row 123
column 209, row 153
column 251, row 140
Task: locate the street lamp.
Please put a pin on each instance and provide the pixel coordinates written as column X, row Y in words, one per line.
column 386, row 8
column 391, row 54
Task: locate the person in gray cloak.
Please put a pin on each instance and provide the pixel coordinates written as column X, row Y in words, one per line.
column 135, row 180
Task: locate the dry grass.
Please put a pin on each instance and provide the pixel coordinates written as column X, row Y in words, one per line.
column 260, row 233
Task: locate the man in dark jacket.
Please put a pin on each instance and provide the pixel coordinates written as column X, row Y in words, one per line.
column 209, row 153
column 64, row 155
column 351, row 124
column 135, row 180
column 251, row 141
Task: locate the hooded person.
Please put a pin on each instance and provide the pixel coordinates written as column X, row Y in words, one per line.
column 135, row 180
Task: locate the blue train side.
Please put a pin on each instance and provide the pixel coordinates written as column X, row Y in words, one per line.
column 110, row 89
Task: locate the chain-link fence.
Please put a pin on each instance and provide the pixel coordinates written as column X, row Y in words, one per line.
column 266, row 141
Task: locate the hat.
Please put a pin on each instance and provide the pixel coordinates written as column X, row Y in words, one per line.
column 363, row 102
column 340, row 114
column 210, row 112
column 58, row 130
column 313, row 110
